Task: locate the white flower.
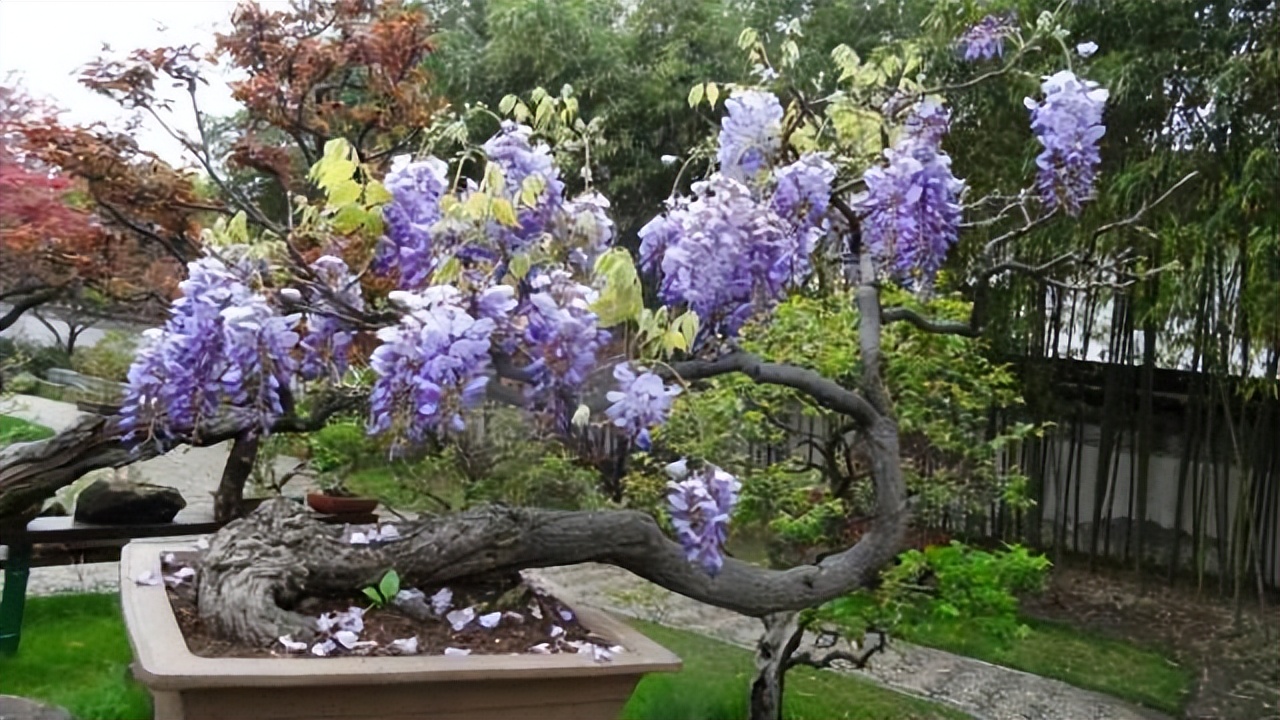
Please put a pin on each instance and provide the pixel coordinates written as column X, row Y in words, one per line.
column 669, row 159
column 405, row 646
column 292, row 645
column 459, row 619
column 1087, row 48
column 441, row 601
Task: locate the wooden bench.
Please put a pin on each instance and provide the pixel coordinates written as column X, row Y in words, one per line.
column 48, row 541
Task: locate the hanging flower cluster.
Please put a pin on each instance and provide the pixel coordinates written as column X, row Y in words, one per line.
column 416, row 189
column 700, row 503
column 911, row 210
column 641, row 402
column 431, row 366
column 750, row 134
column 748, row 232
column 223, row 343
column 985, row 40
column 327, row 344
column 563, row 337
column 1068, row 123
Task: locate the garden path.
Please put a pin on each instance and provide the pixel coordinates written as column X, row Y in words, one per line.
column 988, row 692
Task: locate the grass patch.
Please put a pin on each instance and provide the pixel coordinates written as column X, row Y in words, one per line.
column 1127, row 671
column 713, row 686
column 16, row 430
column 75, row 654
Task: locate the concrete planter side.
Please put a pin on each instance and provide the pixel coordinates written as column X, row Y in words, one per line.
column 188, row 687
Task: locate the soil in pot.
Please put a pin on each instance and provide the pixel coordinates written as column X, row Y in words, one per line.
column 527, row 621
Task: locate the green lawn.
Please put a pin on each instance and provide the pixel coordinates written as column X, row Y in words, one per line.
column 713, row 686
column 75, row 654
column 16, row 430
column 1137, row 674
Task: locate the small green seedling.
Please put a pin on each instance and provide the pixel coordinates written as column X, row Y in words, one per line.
column 382, row 593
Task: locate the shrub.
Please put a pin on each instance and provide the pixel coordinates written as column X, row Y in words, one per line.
column 944, row 583
column 551, row 481
column 342, row 445
column 109, row 359
column 17, row 356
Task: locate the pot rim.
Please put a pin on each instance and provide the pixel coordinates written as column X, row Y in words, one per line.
column 163, row 661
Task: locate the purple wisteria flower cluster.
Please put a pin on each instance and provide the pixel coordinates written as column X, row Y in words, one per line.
column 563, row 337
column 750, row 134
column 1068, row 123
column 327, row 343
column 223, row 343
column 641, row 402
column 431, row 367
column 911, row 209
column 747, row 233
column 985, row 40
column 700, row 503
column 416, row 189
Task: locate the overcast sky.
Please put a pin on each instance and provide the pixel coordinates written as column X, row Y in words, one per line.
column 48, row 41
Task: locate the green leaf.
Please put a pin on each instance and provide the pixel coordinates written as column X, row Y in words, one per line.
column 622, row 299
column 349, row 218
column 687, row 325
column 545, row 108
column 504, row 213
column 390, row 584
column 531, row 189
column 747, row 38
column 713, row 94
column 375, row 193
column 335, row 166
column 695, row 95
column 344, row 192
column 673, row 340
column 448, row 272
column 519, row 265
column 372, row 594
column 507, row 103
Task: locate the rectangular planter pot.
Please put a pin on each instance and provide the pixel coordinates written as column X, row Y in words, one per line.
column 188, row 687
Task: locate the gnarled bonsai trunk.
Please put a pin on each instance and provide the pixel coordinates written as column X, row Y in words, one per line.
column 782, row 634
column 227, row 499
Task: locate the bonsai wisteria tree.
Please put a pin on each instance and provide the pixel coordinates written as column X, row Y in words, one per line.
column 509, row 286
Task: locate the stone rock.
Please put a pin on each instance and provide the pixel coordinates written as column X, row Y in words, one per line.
column 123, row 501
column 20, row 708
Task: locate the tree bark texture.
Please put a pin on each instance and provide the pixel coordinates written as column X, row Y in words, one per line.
column 227, row 499
column 32, row 472
column 782, row 634
column 258, row 566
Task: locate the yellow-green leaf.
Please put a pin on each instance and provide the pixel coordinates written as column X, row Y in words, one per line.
column 747, row 38
column 344, row 193
column 673, row 341
column 519, row 265
column 507, row 103
column 448, row 272
column 695, row 95
column 713, row 94
column 375, row 193
column 349, row 218
column 503, row 212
